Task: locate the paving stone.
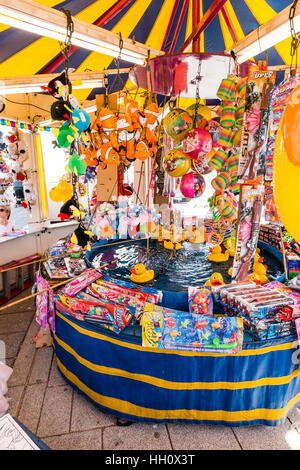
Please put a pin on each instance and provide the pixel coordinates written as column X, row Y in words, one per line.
column 31, row 406
column 14, row 395
column 263, row 437
column 85, row 415
column 41, row 366
column 25, row 306
column 86, row 440
column 56, row 377
column 202, row 437
column 15, row 322
column 23, row 362
column 12, row 343
column 56, row 411
column 138, row 436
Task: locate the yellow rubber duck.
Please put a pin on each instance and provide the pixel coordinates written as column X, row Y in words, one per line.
column 140, row 274
column 198, row 237
column 216, row 279
column 260, row 269
column 168, row 245
column 254, row 277
column 216, row 254
column 230, row 271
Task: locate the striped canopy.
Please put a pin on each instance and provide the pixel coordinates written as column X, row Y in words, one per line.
column 163, row 24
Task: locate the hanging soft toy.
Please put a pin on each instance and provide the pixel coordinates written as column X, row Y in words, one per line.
column 66, row 209
column 90, row 155
column 107, row 122
column 81, row 237
column 109, row 155
column 126, row 134
column 55, row 86
column 60, row 111
column 142, row 151
column 64, row 135
column 132, row 108
column 80, row 119
column 77, row 164
column 30, row 196
column 62, row 192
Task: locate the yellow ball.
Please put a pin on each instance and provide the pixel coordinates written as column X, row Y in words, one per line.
column 176, row 163
column 177, row 123
column 202, row 110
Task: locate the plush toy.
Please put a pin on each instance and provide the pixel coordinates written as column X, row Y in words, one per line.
column 62, row 192
column 66, row 209
column 55, row 86
column 81, row 236
column 77, row 164
column 64, row 135
column 80, row 119
column 126, row 134
column 109, row 154
column 107, row 122
column 142, row 151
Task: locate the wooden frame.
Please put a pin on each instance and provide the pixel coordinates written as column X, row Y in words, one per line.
column 271, row 27
column 31, row 10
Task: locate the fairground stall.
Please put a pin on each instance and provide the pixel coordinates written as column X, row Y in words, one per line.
column 172, row 170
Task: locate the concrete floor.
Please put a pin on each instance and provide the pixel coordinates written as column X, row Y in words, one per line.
column 42, row 400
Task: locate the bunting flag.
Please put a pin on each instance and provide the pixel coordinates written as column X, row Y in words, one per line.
column 163, row 24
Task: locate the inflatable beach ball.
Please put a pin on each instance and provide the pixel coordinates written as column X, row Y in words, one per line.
column 176, row 163
column 177, row 123
column 192, row 185
column 197, row 143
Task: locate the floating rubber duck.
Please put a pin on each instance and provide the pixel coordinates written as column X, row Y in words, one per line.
column 261, row 269
column 198, row 237
column 216, row 279
column 254, row 277
column 140, row 274
column 169, row 245
column 230, row 271
column 216, row 254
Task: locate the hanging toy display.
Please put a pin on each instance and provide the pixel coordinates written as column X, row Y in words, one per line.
column 192, row 185
column 197, row 143
column 176, row 163
column 177, row 123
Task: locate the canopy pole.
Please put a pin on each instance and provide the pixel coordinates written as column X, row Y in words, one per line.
column 196, row 19
column 203, row 23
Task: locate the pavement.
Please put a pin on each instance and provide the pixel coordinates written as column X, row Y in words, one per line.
column 65, row 420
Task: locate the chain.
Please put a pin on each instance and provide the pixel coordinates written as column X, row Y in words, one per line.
column 196, row 81
column 295, row 39
column 118, row 79
column 65, row 46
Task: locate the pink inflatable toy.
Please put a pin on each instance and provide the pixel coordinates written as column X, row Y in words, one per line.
column 197, row 143
column 192, row 185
